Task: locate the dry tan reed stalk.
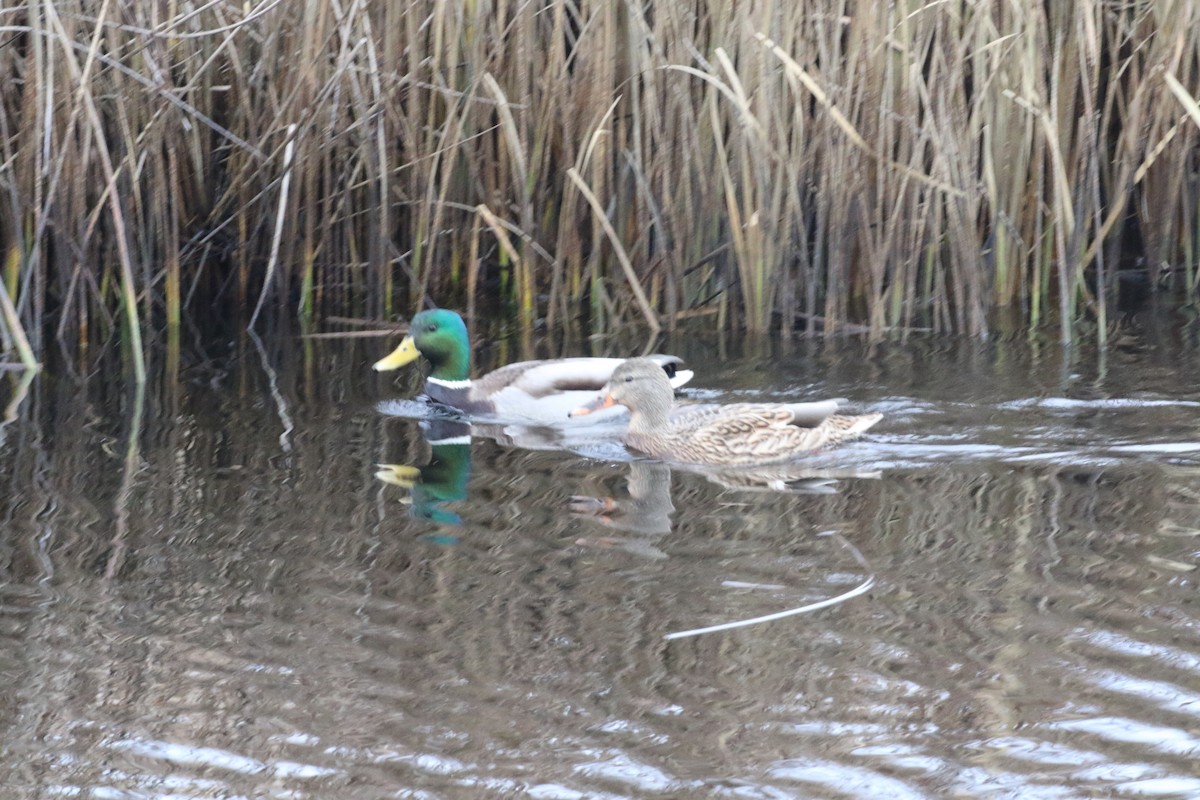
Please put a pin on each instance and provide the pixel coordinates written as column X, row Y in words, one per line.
column 513, row 257
column 630, row 274
column 280, row 216
column 85, row 99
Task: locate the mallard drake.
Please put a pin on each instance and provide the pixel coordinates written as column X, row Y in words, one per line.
column 538, row 391
column 737, row 435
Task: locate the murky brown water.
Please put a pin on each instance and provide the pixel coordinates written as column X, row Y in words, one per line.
column 233, row 604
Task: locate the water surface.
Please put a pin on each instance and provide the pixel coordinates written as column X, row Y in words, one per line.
column 226, row 596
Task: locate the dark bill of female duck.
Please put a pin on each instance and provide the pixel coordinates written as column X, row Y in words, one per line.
column 528, row 391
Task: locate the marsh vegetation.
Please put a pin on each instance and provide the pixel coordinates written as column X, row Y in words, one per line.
column 779, row 166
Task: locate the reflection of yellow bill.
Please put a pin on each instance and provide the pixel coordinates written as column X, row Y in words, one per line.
column 406, row 353
column 400, row 475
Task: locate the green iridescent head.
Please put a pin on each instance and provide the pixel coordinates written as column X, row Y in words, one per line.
column 441, row 336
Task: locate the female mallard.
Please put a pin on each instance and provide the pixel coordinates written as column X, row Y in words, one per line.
column 742, row 434
column 528, row 391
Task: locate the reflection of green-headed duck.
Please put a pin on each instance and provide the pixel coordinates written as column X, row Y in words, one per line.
column 741, row 434
column 443, row 479
column 541, row 391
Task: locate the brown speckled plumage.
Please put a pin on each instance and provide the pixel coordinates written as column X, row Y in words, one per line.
column 741, row 434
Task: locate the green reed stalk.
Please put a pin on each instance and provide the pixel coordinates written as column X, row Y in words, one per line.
column 16, row 330
column 12, row 268
column 17, row 395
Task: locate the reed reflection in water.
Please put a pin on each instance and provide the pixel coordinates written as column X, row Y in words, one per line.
column 220, row 615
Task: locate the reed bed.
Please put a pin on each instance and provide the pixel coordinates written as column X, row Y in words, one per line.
column 787, row 166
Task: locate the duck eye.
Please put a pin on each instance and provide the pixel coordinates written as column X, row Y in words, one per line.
column 431, row 327
column 629, row 379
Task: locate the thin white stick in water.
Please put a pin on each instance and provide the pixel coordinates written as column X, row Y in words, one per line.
column 791, row 612
column 775, row 587
column 862, row 588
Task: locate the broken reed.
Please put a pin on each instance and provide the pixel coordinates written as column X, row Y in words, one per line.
column 776, row 163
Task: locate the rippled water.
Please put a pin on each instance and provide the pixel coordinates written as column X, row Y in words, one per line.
column 232, row 598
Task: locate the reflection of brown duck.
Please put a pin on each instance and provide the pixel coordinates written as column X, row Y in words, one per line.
column 742, row 434
column 646, row 512
column 648, row 508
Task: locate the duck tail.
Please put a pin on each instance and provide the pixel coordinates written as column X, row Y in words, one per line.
column 681, row 377
column 861, row 423
column 844, row 428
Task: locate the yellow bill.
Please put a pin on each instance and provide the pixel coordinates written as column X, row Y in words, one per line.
column 406, row 353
